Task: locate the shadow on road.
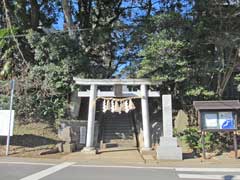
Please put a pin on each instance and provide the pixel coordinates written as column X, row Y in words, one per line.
column 28, row 140
column 228, row 177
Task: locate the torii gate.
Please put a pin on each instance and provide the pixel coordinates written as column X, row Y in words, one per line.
column 93, row 94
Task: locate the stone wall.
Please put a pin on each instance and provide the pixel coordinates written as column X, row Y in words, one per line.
column 74, row 132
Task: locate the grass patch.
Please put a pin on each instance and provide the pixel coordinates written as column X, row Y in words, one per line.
column 29, row 139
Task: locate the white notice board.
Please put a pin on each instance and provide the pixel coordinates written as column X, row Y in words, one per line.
column 211, row 120
column 4, row 122
column 83, row 133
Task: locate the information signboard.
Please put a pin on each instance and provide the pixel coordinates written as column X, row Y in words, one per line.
column 83, row 133
column 218, row 116
column 5, row 122
column 226, row 120
column 218, row 120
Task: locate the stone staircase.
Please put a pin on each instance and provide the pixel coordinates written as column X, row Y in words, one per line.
column 118, row 131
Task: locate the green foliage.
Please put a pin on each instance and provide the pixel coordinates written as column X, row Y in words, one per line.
column 4, row 102
column 200, row 92
column 163, row 60
column 214, row 141
column 3, row 34
column 237, row 77
column 165, row 56
column 6, row 56
column 46, row 89
column 191, row 136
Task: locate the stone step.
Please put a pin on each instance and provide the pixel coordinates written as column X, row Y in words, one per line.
column 125, row 135
column 112, row 118
column 117, row 147
column 107, row 126
column 118, row 131
column 117, row 124
column 109, row 137
column 118, row 127
column 121, row 142
column 116, row 118
column 119, row 136
column 126, row 141
column 117, row 139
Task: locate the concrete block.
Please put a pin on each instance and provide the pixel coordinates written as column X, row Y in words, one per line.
column 67, row 147
column 59, row 146
column 65, row 134
column 168, row 141
column 169, row 153
column 89, row 150
column 168, row 149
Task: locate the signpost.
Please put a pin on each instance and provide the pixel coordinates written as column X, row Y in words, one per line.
column 7, row 119
column 217, row 116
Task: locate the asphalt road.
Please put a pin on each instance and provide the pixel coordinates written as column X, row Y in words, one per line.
column 74, row 171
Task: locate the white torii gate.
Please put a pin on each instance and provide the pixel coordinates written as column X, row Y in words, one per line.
column 93, row 94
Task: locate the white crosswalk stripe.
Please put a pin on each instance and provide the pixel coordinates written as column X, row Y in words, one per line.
column 47, row 172
column 216, row 173
column 209, row 169
column 209, row 176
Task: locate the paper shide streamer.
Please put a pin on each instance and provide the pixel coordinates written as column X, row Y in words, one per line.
column 118, row 105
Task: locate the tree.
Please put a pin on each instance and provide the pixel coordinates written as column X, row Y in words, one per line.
column 211, row 54
column 165, row 55
column 193, row 46
column 216, row 26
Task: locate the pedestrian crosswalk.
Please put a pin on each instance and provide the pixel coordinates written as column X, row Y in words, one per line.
column 209, row 173
column 209, row 176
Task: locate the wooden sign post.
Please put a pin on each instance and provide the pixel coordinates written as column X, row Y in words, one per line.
column 217, row 116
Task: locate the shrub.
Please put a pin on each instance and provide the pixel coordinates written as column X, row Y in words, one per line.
column 214, row 141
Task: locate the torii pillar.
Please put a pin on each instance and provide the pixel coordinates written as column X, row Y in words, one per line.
column 91, row 120
column 145, row 119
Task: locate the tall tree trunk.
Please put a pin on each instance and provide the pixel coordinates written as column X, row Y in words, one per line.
column 84, row 14
column 35, row 14
column 68, row 16
column 227, row 75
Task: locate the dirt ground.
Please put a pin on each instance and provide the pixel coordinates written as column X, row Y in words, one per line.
column 31, row 139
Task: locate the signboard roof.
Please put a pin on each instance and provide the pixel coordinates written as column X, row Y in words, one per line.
column 217, row 105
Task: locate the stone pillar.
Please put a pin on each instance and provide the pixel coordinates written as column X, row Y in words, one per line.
column 145, row 118
column 168, row 148
column 91, row 119
column 75, row 105
column 167, row 116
